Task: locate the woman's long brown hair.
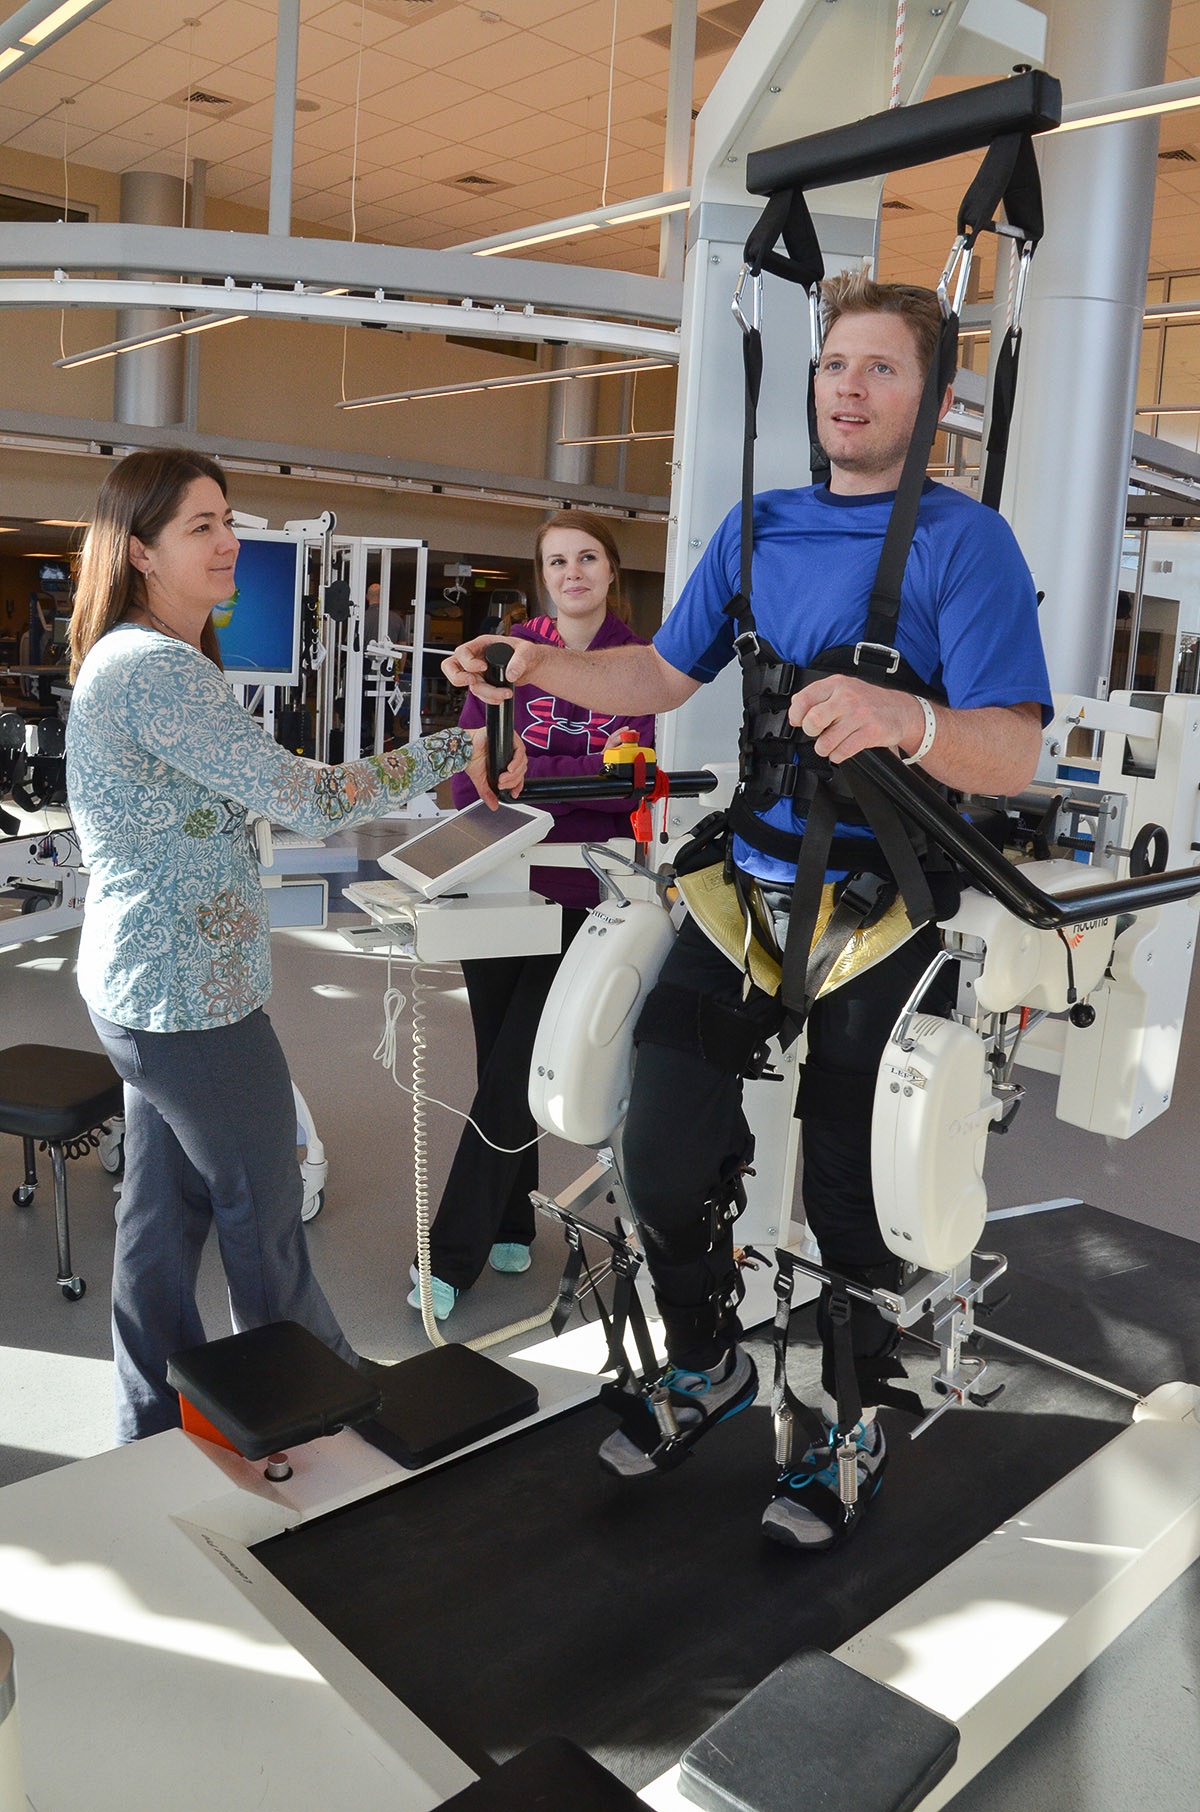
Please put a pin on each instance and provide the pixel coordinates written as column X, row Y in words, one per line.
column 139, row 497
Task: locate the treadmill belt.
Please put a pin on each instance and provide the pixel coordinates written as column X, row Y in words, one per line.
column 521, row 1591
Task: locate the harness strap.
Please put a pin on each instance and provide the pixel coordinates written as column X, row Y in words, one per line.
column 884, row 606
column 786, row 215
column 1009, row 174
column 846, row 1388
column 1004, row 396
column 786, row 1407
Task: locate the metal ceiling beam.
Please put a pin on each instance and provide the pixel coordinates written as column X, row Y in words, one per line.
column 328, row 263
column 80, row 437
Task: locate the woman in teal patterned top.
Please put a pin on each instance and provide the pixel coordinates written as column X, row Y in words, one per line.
column 163, row 767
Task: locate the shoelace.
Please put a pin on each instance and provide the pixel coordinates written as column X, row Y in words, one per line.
column 828, row 1473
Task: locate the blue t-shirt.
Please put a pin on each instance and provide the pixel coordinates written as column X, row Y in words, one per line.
column 968, row 609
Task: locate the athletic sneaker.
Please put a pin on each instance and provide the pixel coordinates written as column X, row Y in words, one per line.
column 510, row 1257
column 806, row 1511
column 700, row 1400
column 444, row 1295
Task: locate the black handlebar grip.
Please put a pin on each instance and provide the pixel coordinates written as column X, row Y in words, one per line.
column 498, row 719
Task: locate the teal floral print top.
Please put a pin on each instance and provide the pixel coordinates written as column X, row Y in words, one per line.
column 163, row 765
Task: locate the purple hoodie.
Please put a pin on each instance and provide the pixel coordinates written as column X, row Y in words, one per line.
column 565, row 739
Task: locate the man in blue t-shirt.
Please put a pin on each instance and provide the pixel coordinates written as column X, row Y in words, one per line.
column 967, row 628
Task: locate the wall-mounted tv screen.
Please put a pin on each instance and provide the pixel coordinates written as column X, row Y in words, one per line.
column 259, row 628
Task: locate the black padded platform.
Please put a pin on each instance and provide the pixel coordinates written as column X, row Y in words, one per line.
column 443, row 1399
column 521, row 1589
column 551, row 1776
column 818, row 1736
column 272, row 1387
column 54, row 1094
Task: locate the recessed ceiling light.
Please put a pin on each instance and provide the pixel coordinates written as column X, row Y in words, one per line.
column 303, row 106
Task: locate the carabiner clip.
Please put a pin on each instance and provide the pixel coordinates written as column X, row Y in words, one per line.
column 961, row 253
column 816, row 332
column 1026, row 259
column 754, row 324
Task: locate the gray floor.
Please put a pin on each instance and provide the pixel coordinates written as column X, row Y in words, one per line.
column 1128, row 1731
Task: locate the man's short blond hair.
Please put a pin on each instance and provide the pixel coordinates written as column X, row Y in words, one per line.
column 857, row 293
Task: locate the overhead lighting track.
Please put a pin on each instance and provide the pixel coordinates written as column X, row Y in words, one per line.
column 177, row 331
column 619, row 440
column 197, row 324
column 1136, row 104
column 255, row 301
column 570, row 226
column 37, row 24
column 475, row 386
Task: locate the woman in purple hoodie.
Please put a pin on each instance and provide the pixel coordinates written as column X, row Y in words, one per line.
column 485, row 1215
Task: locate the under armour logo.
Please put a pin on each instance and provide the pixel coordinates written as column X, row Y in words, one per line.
column 544, row 717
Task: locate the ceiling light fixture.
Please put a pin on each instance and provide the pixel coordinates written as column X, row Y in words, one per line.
column 516, row 245
column 197, row 324
column 612, row 440
column 616, row 214
column 37, row 24
column 1138, row 104
column 475, row 386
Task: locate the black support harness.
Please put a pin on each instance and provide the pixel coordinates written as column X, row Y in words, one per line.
column 775, row 760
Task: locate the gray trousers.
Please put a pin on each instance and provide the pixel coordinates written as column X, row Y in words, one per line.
column 210, row 1140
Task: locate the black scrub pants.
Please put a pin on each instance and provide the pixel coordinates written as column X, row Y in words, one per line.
column 486, row 1197
column 686, row 1134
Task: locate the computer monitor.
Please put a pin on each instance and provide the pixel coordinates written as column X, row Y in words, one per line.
column 259, row 628
column 54, row 576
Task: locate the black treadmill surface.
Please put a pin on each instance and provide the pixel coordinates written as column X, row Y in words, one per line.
column 521, row 1591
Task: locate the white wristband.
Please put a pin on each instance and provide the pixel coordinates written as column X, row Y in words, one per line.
column 926, row 742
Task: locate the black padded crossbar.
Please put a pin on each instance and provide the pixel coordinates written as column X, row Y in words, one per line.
column 905, row 136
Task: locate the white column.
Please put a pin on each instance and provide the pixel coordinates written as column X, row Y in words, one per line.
column 1067, row 477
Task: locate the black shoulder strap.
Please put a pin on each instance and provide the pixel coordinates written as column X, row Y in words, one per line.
column 884, row 607
column 1009, row 175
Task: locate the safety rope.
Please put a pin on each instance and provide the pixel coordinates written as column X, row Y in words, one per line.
column 898, row 54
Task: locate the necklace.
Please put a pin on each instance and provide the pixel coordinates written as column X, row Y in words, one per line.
column 159, row 624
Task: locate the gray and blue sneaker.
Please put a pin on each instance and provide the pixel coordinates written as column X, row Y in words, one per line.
column 699, row 1399
column 806, row 1511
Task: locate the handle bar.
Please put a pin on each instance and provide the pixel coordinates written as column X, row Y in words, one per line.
column 921, row 803
column 498, row 721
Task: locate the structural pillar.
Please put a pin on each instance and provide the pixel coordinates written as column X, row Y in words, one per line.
column 283, row 133
column 148, row 388
column 1068, row 470
column 677, row 153
column 572, row 413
